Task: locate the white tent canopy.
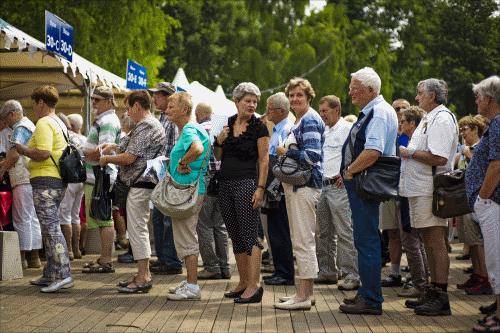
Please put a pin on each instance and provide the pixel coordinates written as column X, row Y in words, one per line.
column 26, row 64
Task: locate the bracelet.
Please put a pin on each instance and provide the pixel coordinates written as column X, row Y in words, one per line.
column 262, row 187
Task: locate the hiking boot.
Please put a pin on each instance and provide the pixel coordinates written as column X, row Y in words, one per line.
column 480, row 288
column 350, row 284
column 437, row 305
column 469, row 283
column 353, row 300
column 392, row 281
column 207, row 275
column 411, row 292
column 412, row 304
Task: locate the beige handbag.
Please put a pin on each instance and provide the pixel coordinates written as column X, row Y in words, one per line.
column 179, row 201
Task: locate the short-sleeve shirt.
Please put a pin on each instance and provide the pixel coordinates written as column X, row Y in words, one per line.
column 240, row 154
column 437, row 133
column 487, row 150
column 105, row 128
column 146, row 141
column 21, row 135
column 47, row 136
column 332, row 148
column 190, row 133
column 381, row 132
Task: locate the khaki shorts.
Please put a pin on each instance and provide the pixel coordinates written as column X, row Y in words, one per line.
column 421, row 213
column 185, row 235
column 388, row 217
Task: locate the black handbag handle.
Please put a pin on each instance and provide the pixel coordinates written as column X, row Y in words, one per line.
column 65, row 138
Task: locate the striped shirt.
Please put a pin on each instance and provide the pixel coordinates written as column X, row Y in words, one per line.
column 106, row 128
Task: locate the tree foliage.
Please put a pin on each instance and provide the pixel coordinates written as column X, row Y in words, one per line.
column 105, row 33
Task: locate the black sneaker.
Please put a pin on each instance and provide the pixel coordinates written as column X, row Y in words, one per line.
column 486, row 309
column 437, row 305
column 392, row 281
column 163, row 269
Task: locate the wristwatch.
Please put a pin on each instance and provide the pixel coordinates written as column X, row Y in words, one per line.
column 411, row 152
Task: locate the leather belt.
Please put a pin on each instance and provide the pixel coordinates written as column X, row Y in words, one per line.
column 331, row 181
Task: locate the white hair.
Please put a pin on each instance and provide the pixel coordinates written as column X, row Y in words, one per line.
column 10, row 106
column 488, row 87
column 368, row 78
column 246, row 88
column 76, row 121
column 280, row 101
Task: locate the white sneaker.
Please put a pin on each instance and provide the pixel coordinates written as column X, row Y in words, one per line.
column 287, row 298
column 291, row 304
column 172, row 290
column 184, row 293
column 350, row 284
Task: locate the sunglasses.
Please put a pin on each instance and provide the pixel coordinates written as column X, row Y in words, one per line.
column 97, row 100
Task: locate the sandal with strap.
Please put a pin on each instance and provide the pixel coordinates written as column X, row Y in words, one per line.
column 101, row 268
column 485, row 327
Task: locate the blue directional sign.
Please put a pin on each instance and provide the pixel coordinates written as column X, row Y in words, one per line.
column 58, row 36
column 137, row 77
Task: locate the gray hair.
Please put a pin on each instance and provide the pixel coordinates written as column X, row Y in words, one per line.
column 368, row 78
column 402, row 100
column 245, row 88
column 127, row 121
column 10, row 106
column 488, row 87
column 439, row 87
column 76, row 121
column 64, row 119
column 203, row 109
column 280, row 101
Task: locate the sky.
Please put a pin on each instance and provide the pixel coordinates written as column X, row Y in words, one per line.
column 315, row 4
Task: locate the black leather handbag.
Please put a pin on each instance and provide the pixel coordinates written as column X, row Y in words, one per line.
column 290, row 171
column 213, row 185
column 380, row 181
column 449, row 196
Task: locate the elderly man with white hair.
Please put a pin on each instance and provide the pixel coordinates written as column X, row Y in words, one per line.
column 374, row 133
column 69, row 210
column 24, row 217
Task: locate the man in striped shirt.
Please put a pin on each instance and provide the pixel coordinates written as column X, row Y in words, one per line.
column 105, row 129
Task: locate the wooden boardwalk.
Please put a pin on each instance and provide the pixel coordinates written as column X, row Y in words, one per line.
column 94, row 305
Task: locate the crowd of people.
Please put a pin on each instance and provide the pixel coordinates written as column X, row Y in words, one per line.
column 332, row 231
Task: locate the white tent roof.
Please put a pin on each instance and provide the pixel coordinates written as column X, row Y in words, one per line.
column 25, row 64
column 180, row 80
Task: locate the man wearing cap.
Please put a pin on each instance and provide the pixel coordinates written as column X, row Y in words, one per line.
column 105, row 129
column 168, row 262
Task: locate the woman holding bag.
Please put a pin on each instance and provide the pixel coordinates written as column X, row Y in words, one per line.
column 188, row 163
column 307, row 134
column 145, row 142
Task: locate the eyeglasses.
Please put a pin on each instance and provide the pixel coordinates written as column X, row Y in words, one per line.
column 96, row 100
column 462, row 129
column 270, row 109
column 399, row 108
column 6, row 116
column 354, row 88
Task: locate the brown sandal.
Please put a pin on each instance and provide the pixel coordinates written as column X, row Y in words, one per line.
column 101, row 268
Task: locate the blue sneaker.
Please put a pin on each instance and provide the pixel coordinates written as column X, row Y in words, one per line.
column 126, row 258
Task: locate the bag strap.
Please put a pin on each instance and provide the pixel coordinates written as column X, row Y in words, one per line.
column 434, row 168
column 65, row 138
column 203, row 164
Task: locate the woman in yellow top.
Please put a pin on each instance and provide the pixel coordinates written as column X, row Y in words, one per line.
column 48, row 187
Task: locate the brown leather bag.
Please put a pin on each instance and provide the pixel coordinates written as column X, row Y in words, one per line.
column 449, row 197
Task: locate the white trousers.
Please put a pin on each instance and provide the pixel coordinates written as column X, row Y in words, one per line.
column 488, row 215
column 69, row 210
column 301, row 209
column 24, row 218
column 137, row 222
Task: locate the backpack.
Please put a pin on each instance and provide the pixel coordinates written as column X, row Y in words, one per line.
column 71, row 163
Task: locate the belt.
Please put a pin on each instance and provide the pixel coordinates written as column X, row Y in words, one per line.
column 331, row 181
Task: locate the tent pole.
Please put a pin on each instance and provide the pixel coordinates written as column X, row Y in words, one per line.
column 86, row 105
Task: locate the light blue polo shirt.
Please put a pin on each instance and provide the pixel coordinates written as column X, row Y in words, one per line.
column 382, row 131
column 280, row 130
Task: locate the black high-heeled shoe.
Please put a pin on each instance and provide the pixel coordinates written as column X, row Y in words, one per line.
column 255, row 298
column 145, row 288
column 234, row 294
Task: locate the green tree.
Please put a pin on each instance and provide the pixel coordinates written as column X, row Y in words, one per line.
column 105, row 35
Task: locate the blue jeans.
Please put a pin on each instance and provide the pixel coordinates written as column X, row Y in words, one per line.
column 280, row 241
column 164, row 240
column 365, row 215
